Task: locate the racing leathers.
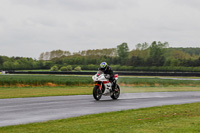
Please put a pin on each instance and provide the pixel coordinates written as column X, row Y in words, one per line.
column 109, row 74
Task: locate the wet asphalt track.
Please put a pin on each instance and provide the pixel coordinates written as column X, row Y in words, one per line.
column 28, row 110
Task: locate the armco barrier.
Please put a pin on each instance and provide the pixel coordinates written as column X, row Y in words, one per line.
column 197, row 74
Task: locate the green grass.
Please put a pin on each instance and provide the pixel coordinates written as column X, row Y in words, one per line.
column 38, row 70
column 42, row 80
column 166, row 119
column 21, row 92
column 15, row 86
column 157, row 81
column 48, row 70
column 131, row 89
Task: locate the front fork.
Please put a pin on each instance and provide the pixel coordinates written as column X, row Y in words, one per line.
column 99, row 84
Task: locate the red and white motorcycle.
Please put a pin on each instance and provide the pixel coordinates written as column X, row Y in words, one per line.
column 104, row 87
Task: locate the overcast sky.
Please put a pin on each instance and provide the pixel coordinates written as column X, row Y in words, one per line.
column 30, row 27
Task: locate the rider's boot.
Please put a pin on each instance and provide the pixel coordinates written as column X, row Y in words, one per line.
column 114, row 85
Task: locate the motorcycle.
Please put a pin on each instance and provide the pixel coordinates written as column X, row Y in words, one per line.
column 104, row 87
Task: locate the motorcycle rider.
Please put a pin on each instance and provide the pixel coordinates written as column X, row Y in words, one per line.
column 108, row 73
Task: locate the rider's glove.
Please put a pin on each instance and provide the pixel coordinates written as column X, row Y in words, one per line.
column 107, row 76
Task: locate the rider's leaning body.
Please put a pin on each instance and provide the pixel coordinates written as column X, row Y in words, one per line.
column 109, row 74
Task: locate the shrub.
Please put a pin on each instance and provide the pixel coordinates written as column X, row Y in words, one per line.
column 54, row 68
column 66, row 68
column 115, row 67
column 92, row 67
column 78, row 68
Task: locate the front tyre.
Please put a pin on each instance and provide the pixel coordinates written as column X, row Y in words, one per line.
column 97, row 93
column 116, row 92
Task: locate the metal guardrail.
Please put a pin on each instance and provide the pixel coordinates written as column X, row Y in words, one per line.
column 197, row 74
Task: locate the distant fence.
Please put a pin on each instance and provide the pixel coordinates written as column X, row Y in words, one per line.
column 197, row 74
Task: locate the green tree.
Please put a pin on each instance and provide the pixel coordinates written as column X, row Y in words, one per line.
column 47, row 64
column 1, row 60
column 139, row 55
column 178, row 54
column 157, row 51
column 123, row 52
column 8, row 65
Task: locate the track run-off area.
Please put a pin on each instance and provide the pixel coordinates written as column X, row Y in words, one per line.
column 28, row 110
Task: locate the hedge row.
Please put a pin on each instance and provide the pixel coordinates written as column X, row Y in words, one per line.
column 152, row 69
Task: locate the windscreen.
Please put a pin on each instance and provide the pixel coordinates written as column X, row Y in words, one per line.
column 100, row 72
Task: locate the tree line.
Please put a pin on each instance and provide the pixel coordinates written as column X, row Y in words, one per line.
column 157, row 55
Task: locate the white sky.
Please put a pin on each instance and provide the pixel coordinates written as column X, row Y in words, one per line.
column 30, row 27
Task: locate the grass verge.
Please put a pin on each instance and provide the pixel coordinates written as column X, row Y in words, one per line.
column 21, row 92
column 165, row 119
column 66, row 80
column 131, row 89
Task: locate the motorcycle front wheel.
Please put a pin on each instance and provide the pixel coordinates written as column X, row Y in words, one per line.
column 97, row 93
column 116, row 93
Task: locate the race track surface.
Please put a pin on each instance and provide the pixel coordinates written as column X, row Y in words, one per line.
column 28, row 110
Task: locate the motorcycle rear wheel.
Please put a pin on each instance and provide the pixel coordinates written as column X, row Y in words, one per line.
column 116, row 93
column 97, row 93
